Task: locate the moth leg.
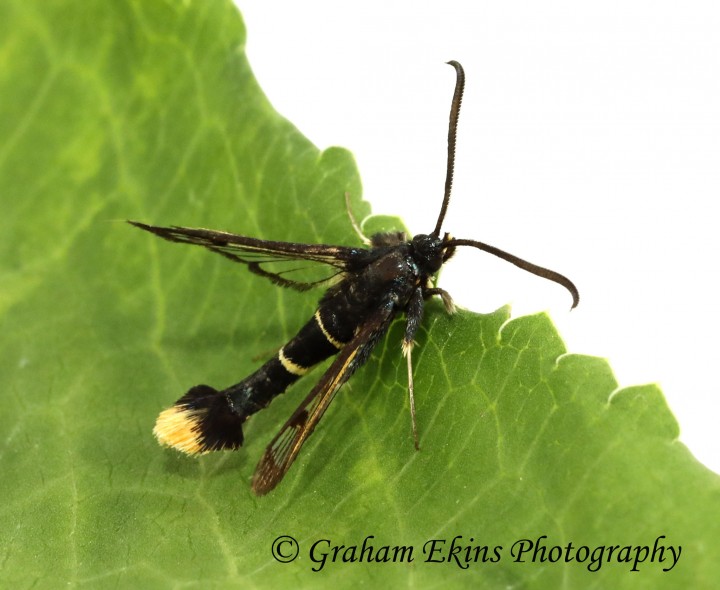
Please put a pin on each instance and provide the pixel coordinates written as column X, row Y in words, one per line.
column 365, row 240
column 411, row 390
column 445, row 296
column 414, row 314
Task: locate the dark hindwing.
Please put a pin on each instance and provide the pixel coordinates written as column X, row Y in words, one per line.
column 311, row 265
column 284, row 448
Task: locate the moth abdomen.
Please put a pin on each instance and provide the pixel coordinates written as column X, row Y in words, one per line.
column 205, row 419
column 201, row 421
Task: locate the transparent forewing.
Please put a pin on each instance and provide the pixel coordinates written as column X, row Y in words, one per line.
column 284, row 448
column 288, row 264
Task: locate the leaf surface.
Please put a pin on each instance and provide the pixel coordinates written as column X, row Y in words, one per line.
column 149, row 111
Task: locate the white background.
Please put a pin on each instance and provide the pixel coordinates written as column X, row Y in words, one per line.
column 589, row 142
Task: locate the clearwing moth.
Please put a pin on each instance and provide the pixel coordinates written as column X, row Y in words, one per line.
column 367, row 288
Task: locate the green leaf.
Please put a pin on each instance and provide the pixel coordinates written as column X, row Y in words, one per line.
column 149, row 111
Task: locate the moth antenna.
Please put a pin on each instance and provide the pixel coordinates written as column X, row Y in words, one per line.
column 452, row 135
column 539, row 271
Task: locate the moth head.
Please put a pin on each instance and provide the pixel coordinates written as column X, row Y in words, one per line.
column 429, row 252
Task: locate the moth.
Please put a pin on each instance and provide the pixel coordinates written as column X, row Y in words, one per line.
column 367, row 288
